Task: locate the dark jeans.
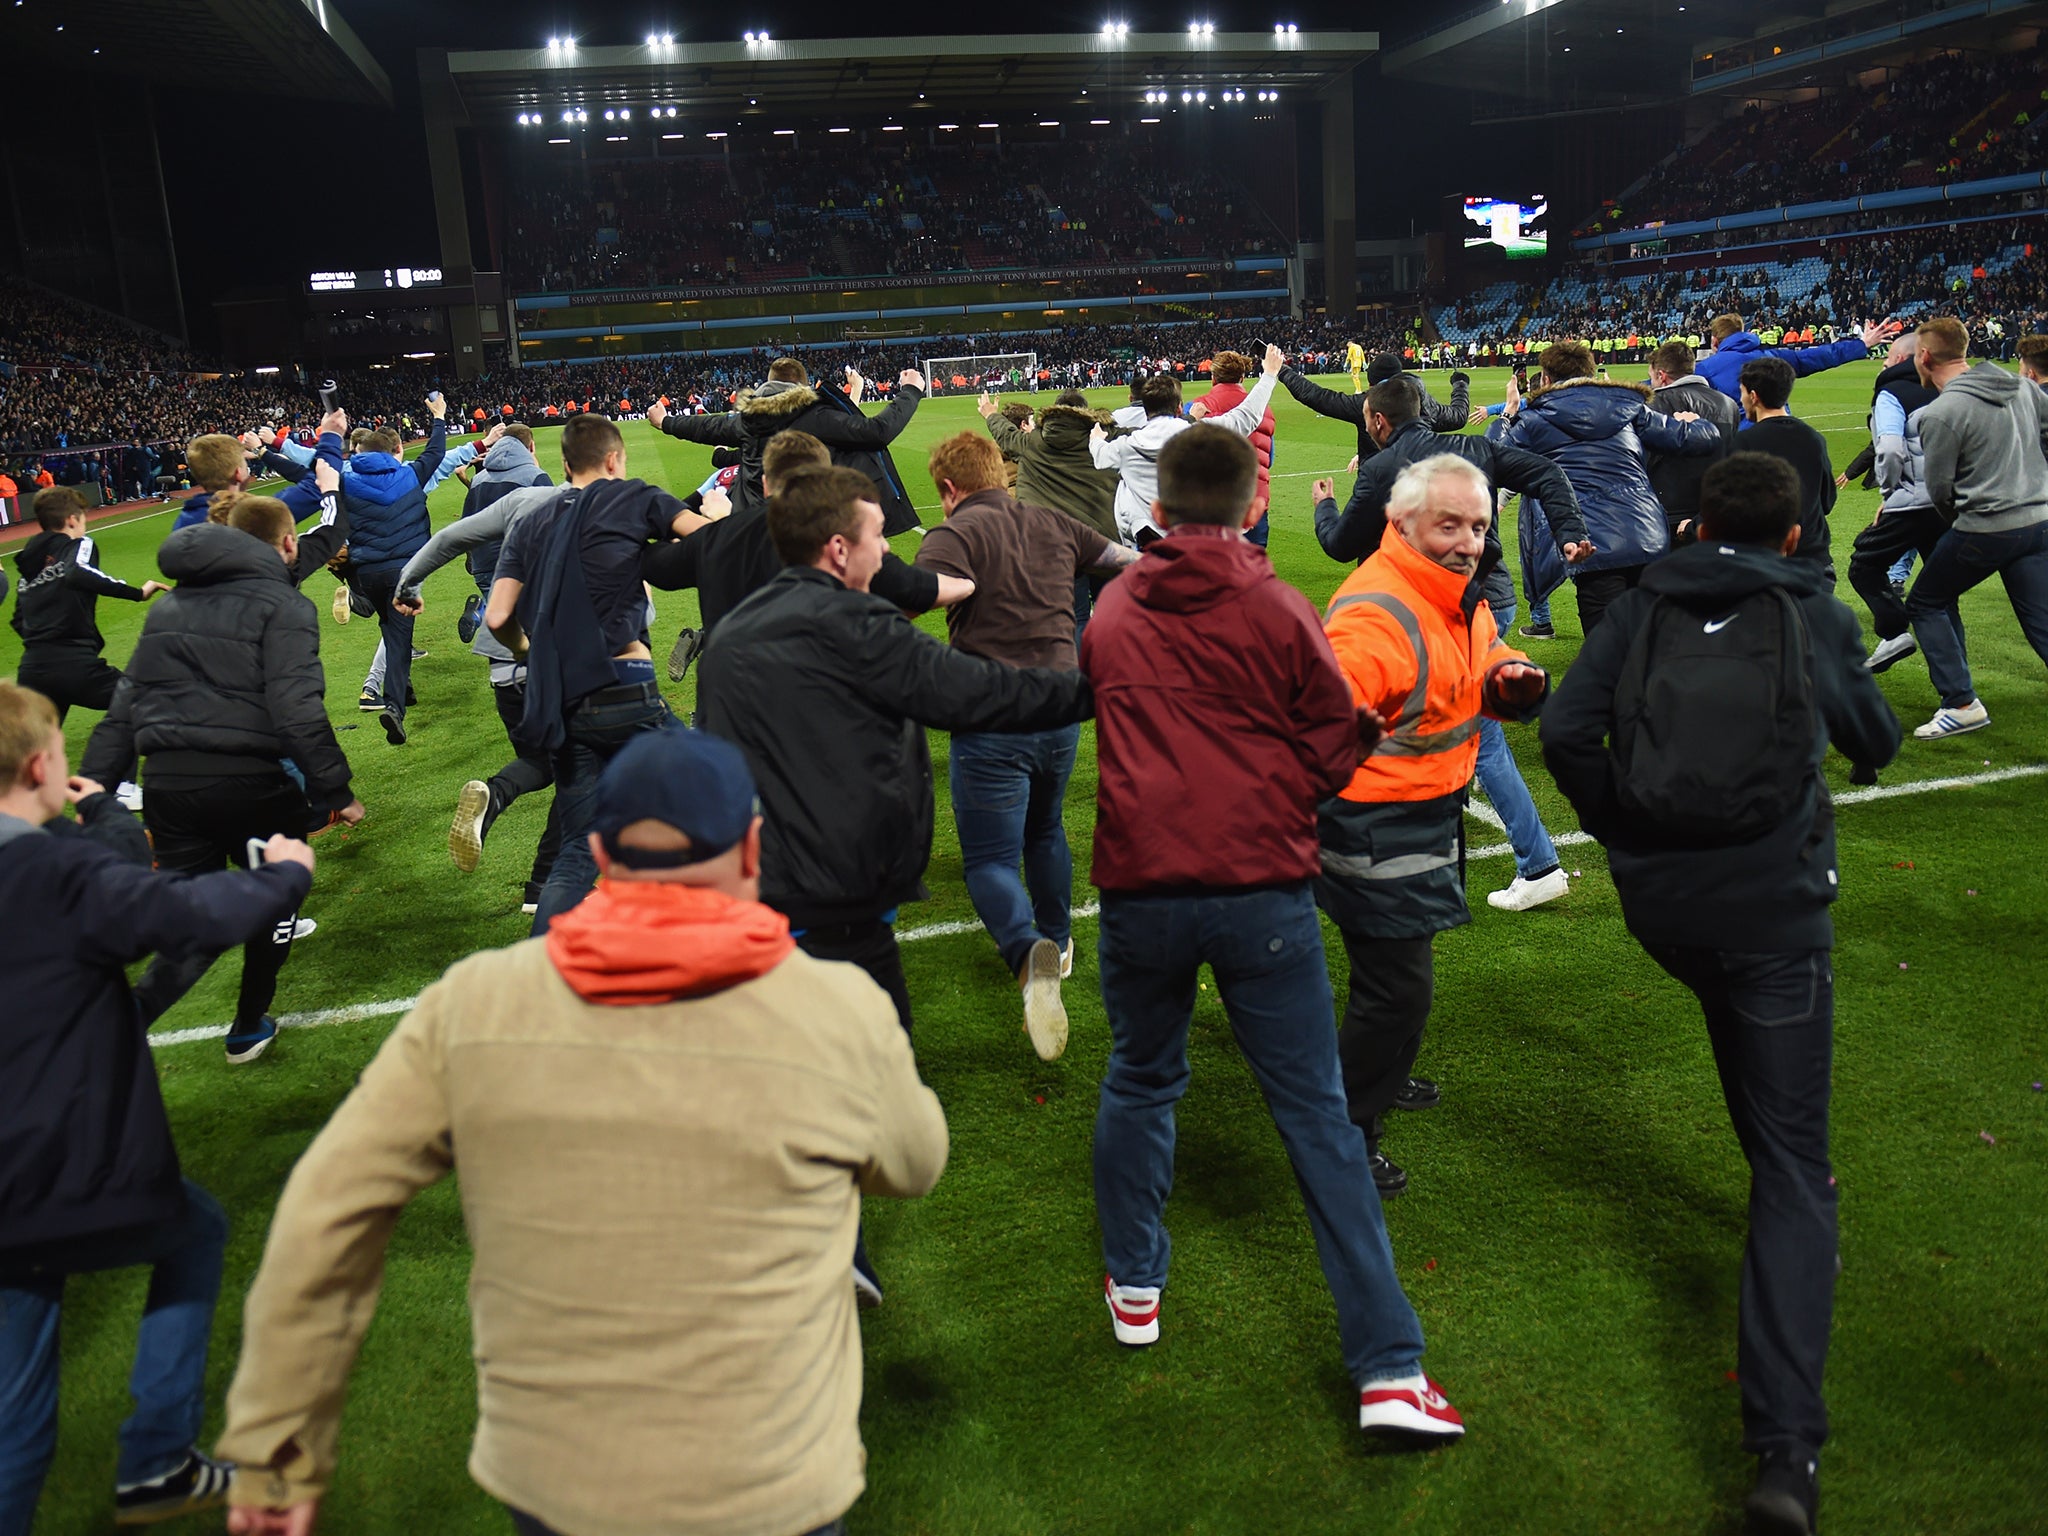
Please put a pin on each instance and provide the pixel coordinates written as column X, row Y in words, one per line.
column 1770, row 1018
column 168, row 1381
column 1597, row 589
column 1392, row 984
column 526, row 1525
column 378, row 584
column 1908, row 530
column 1008, row 792
column 66, row 678
column 871, row 946
column 196, row 832
column 1086, row 590
column 599, row 726
column 1959, row 562
column 526, row 774
column 1265, row 949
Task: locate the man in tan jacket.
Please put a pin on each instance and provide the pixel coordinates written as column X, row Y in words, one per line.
column 667, row 1115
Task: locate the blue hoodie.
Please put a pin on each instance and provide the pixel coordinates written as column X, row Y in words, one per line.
column 303, row 497
column 387, row 502
column 1722, row 367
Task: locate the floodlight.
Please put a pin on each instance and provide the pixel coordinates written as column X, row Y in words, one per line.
column 652, row 40
column 610, row 115
column 750, row 37
column 625, row 114
column 668, row 39
column 1187, row 95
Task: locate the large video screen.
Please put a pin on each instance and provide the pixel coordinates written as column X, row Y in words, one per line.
column 1516, row 227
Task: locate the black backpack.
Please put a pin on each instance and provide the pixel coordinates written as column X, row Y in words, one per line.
column 1714, row 719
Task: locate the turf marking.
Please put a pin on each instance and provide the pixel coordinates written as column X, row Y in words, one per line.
column 355, row 1013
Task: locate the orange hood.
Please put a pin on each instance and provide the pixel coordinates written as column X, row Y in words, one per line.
column 631, row 943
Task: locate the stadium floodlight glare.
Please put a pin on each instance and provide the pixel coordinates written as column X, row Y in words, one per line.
column 610, row 116
column 625, row 114
column 582, row 116
column 1201, row 95
column 1098, row 122
column 568, row 45
column 1187, row 95
column 839, row 130
column 554, row 45
column 984, row 125
column 652, row 40
column 668, row 39
column 785, row 133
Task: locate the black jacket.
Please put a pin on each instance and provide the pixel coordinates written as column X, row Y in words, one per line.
column 1436, row 415
column 226, row 678
column 734, row 558
column 1354, row 533
column 1771, row 894
column 828, row 692
column 1676, row 477
column 85, row 1147
column 60, row 592
column 856, row 440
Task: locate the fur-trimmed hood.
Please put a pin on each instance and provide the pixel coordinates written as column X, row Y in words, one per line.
column 776, row 401
column 1090, row 415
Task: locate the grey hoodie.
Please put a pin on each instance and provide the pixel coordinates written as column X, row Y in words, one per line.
column 1985, row 440
column 509, row 459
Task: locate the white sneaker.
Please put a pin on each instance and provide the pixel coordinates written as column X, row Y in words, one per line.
column 1413, row 1410
column 1133, row 1311
column 304, row 928
column 1524, row 894
column 466, row 834
column 1973, row 716
column 341, row 609
column 1067, row 959
column 1045, row 1016
column 1898, row 648
column 129, row 793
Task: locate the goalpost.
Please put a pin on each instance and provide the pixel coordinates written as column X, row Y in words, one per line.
column 994, row 371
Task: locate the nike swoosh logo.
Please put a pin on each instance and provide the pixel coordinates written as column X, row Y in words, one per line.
column 1714, row 627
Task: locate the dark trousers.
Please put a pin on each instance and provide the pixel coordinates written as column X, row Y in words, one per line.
column 1392, row 984
column 1597, row 589
column 1877, row 550
column 526, row 1525
column 196, row 832
column 68, row 677
column 1959, row 562
column 168, row 1379
column 599, row 726
column 871, row 945
column 1770, row 1018
column 378, row 584
column 527, row 773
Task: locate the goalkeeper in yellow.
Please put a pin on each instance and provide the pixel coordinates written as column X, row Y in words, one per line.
column 1354, row 359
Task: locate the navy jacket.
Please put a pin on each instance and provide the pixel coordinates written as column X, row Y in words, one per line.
column 386, row 502
column 1598, row 433
column 85, row 1147
column 1722, row 367
column 1769, row 895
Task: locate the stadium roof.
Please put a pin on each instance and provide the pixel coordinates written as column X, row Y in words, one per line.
column 985, row 75
column 299, row 48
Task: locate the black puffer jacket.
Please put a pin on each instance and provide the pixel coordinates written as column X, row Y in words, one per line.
column 1676, row 477
column 226, row 678
column 828, row 691
column 856, row 439
column 1435, row 414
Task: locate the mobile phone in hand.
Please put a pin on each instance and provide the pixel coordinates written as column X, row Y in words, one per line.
column 253, row 853
column 330, row 392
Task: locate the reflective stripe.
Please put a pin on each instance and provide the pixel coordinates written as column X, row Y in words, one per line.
column 1401, row 866
column 1403, row 738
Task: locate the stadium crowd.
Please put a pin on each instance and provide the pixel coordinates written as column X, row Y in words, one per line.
column 705, row 885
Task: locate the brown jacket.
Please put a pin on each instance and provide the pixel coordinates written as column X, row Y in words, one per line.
column 662, row 1203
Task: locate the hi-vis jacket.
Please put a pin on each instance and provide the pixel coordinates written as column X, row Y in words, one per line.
column 1417, row 643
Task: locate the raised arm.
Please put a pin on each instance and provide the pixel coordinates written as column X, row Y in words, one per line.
column 1324, row 402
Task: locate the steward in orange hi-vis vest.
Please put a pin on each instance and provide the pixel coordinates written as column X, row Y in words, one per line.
column 1415, row 639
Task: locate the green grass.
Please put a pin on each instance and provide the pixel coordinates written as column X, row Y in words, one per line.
column 1571, row 1237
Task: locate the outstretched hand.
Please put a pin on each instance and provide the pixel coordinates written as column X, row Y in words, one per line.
column 986, row 405
column 910, row 378
column 1275, row 361
column 657, row 413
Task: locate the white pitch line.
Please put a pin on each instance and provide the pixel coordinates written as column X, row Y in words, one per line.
column 355, row 1013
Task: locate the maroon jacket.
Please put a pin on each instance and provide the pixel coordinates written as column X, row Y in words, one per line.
column 1221, row 720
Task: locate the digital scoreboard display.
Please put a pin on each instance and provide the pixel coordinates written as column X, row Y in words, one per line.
column 374, row 278
column 1516, row 227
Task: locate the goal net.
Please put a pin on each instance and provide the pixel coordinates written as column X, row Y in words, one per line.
column 997, row 371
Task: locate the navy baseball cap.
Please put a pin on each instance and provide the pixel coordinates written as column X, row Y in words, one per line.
column 690, row 780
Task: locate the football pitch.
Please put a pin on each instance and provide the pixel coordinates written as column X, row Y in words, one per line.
column 1570, row 1237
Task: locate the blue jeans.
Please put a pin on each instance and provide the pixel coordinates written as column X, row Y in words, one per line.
column 1008, row 792
column 1539, row 611
column 1502, row 781
column 599, row 727
column 168, row 1381
column 1770, row 1019
column 1902, row 569
column 1958, row 563
column 1265, row 949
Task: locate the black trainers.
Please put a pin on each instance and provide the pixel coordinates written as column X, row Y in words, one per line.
column 689, row 645
column 370, row 702
column 393, row 721
column 1390, row 1178
column 1539, row 632
column 472, row 617
column 360, row 605
column 1786, row 1498
column 1417, row 1093
column 200, row 1483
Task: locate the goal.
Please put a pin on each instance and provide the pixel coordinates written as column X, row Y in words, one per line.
column 996, row 371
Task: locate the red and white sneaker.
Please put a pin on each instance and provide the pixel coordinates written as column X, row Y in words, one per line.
column 1415, row 1410
column 1133, row 1311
